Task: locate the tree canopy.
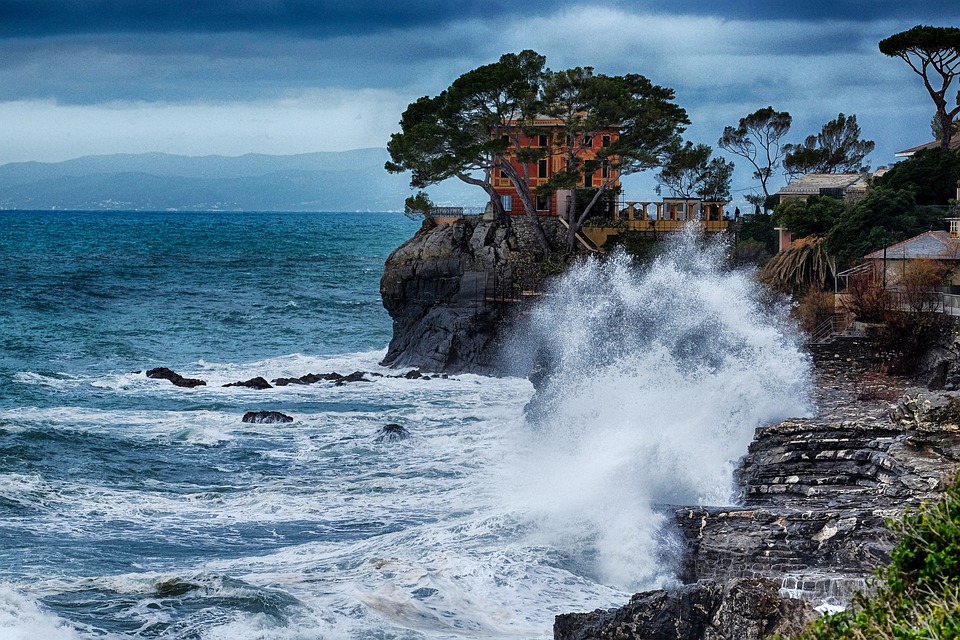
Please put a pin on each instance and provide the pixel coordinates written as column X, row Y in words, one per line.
column 933, row 53
column 882, row 217
column 757, row 139
column 689, row 172
column 496, row 112
column 815, row 216
column 838, row 148
column 931, row 173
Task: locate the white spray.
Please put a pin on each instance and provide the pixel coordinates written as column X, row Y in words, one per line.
column 658, row 379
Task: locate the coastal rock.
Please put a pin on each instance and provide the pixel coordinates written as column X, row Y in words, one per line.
column 356, row 376
column 265, row 417
column 252, row 383
column 310, row 378
column 451, row 290
column 815, row 494
column 392, row 433
column 163, row 373
column 742, row 609
column 334, row 377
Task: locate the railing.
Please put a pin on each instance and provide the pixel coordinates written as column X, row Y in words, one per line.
column 455, row 212
column 925, row 302
column 836, row 323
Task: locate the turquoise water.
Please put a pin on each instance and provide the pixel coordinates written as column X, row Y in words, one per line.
column 132, row 508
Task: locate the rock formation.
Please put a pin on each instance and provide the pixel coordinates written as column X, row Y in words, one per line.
column 451, row 289
column 741, row 609
column 265, row 417
column 163, row 373
column 391, row 433
column 253, row 383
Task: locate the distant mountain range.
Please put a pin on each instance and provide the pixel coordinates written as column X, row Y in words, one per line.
column 327, row 181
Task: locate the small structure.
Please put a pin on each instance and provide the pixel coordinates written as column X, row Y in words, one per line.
column 655, row 218
column 933, row 144
column 848, row 187
column 940, row 246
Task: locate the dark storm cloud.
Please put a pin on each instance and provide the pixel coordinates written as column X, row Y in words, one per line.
column 938, row 12
column 38, row 18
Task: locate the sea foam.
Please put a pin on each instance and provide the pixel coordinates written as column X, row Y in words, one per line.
column 21, row 618
column 658, row 377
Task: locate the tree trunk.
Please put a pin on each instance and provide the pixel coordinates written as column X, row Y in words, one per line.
column 529, row 206
column 495, row 201
column 946, row 130
column 576, row 223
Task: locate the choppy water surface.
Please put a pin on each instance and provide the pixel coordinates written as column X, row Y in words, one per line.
column 130, row 508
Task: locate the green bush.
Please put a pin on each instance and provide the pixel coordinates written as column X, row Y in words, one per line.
column 918, row 595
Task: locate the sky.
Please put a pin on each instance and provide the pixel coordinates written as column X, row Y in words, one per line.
column 228, row 77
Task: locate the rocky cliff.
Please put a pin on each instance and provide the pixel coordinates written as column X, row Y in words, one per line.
column 810, row 519
column 452, row 289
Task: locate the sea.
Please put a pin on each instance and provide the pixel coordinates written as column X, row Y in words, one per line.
column 134, row 508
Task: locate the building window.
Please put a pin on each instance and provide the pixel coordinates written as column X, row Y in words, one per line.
column 955, row 228
column 543, row 203
column 605, row 170
column 587, row 179
column 569, row 139
column 541, row 141
column 588, row 141
column 507, row 202
column 606, row 141
column 542, row 169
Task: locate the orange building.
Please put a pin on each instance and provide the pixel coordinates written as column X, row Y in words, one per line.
column 559, row 145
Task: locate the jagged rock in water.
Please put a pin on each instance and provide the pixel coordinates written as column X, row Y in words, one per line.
column 392, row 433
column 163, row 373
column 174, row 587
column 266, row 417
column 356, row 376
column 743, row 609
column 310, row 378
column 252, row 383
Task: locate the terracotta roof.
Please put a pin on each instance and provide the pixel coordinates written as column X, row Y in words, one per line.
column 812, row 183
column 933, row 245
column 906, row 153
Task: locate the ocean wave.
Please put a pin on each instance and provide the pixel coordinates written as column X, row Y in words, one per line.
column 22, row 618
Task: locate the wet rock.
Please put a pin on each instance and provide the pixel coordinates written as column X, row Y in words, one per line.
column 413, row 374
column 451, row 289
column 392, row 433
column 336, row 378
column 743, row 609
column 174, row 587
column 252, row 383
column 163, row 373
column 356, row 376
column 265, row 417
